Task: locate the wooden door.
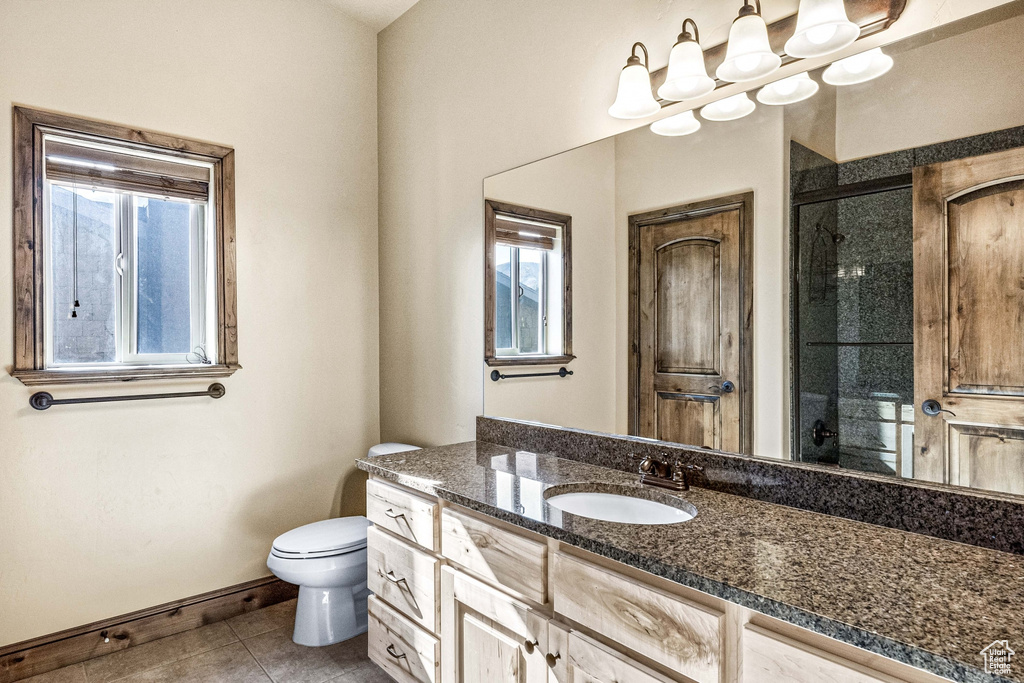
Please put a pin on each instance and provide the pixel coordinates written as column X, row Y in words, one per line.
column 487, row 635
column 690, row 312
column 969, row 322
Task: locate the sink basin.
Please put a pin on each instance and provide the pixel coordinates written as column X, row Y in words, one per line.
column 622, row 504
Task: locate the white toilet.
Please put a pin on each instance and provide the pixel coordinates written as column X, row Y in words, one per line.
column 327, row 560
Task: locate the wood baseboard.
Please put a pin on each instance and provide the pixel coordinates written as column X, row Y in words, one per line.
column 46, row 653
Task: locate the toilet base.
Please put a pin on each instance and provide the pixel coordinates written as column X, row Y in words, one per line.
column 325, row 616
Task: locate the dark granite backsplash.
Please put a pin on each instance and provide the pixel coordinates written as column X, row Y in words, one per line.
column 973, row 517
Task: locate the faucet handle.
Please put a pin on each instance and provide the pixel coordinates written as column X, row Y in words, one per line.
column 646, row 463
column 680, row 471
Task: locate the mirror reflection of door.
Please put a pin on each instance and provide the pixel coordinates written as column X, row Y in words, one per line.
column 690, row 311
column 969, row 322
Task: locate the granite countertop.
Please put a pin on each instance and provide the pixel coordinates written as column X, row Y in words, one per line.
column 927, row 602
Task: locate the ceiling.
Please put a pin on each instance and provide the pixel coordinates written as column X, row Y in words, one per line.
column 374, row 13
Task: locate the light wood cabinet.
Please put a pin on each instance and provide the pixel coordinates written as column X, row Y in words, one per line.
column 404, row 514
column 498, row 597
column 576, row 658
column 405, row 651
column 510, row 559
column 684, row 636
column 403, row 576
column 487, row 635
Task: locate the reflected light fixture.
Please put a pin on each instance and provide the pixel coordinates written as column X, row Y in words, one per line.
column 687, row 76
column 729, row 109
column 788, row 90
column 749, row 55
column 858, row 68
column 822, row 28
column 635, row 99
column 675, row 126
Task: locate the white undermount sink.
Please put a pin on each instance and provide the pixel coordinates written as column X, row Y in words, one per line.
column 618, row 507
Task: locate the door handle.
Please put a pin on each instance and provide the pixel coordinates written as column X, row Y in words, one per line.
column 931, row 407
column 725, row 387
column 393, row 652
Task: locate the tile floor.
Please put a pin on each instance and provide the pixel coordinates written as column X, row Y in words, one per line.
column 251, row 648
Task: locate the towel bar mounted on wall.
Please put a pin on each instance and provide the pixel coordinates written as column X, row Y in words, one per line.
column 42, row 400
column 562, row 372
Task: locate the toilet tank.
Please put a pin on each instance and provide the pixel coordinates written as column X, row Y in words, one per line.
column 388, row 448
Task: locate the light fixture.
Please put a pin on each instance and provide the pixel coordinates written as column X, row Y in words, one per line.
column 788, row 90
column 674, row 126
column 729, row 109
column 822, row 28
column 749, row 55
column 858, row 68
column 687, row 76
column 635, row 99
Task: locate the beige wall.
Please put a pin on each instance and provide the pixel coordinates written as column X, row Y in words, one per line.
column 468, row 89
column 110, row 508
column 579, row 183
column 936, row 92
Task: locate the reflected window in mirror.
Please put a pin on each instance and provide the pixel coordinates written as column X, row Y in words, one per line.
column 528, row 285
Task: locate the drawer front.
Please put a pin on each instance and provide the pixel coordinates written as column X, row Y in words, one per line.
column 771, row 658
column 412, row 517
column 402, row 649
column 682, row 635
column 516, row 562
column 403, row 576
column 589, row 660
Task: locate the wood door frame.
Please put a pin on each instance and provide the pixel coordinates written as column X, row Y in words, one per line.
column 745, row 203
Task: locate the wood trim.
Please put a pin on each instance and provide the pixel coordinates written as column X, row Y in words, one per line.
column 46, row 653
column 745, row 202
column 491, row 209
column 871, row 15
column 29, row 298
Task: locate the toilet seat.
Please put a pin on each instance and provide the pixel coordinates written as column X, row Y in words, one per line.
column 322, row 539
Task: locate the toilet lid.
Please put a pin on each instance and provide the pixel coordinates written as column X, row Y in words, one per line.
column 322, row 539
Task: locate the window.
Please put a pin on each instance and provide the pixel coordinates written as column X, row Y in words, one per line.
column 124, row 269
column 528, row 293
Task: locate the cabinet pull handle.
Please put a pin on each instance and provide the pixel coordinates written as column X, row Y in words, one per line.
column 552, row 659
column 530, row 645
column 394, row 653
column 390, row 576
column 390, row 512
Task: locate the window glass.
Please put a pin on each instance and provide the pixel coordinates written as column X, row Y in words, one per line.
column 530, row 321
column 503, row 297
column 83, row 253
column 164, row 238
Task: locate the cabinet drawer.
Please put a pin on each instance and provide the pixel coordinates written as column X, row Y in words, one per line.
column 402, row 649
column 682, row 635
column 403, row 576
column 412, row 517
column 519, row 563
column 772, row 658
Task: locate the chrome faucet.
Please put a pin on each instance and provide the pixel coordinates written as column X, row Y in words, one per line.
column 659, row 471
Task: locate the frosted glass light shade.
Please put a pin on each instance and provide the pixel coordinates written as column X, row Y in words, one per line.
column 788, row 90
column 674, row 126
column 749, row 55
column 822, row 28
column 687, row 76
column 635, row 99
column 729, row 109
column 858, row 68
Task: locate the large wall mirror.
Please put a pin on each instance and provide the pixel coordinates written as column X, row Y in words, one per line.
column 838, row 281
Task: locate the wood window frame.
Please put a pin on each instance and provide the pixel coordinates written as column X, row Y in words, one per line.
column 30, row 126
column 491, row 210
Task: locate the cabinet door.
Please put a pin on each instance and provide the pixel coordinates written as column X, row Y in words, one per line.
column 488, row 636
column 577, row 658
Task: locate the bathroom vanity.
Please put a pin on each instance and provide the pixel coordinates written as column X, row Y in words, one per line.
column 477, row 578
